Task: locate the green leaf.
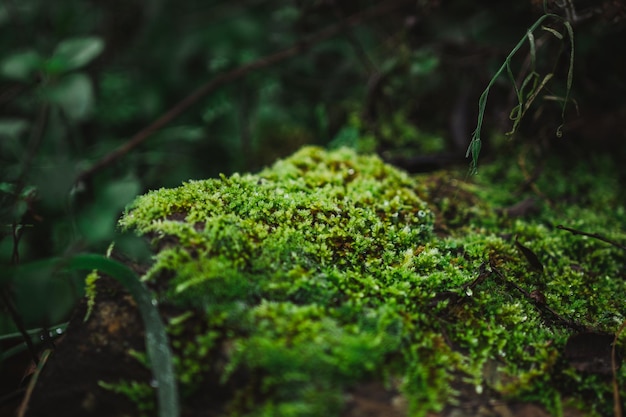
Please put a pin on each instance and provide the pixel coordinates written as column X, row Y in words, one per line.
column 77, row 52
column 74, row 93
column 21, row 66
column 6, row 187
column 12, row 128
column 424, row 63
column 157, row 342
column 97, row 221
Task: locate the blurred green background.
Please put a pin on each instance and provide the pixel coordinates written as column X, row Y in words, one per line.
column 79, row 78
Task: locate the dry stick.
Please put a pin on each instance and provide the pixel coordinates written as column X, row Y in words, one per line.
column 542, row 307
column 233, row 75
column 19, row 323
column 31, row 384
column 593, row 235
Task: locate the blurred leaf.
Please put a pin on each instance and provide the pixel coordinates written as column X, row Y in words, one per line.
column 74, row 93
column 32, row 294
column 54, row 66
column 7, row 187
column 12, row 128
column 219, row 105
column 53, row 179
column 179, row 134
column 286, row 14
column 424, row 63
column 97, row 222
column 118, row 194
column 347, row 136
column 74, row 53
column 21, row 66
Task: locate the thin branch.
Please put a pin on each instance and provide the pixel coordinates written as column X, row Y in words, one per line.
column 542, row 307
column 233, row 75
column 593, row 235
column 31, row 384
column 19, row 324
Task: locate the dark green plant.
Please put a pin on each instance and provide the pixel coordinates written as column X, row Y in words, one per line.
column 532, row 84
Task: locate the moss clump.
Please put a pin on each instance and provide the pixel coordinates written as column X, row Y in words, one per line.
column 323, row 271
column 290, row 233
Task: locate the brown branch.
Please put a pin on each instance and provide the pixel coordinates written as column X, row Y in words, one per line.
column 209, row 87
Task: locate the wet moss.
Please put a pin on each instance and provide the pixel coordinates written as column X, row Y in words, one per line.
column 331, row 268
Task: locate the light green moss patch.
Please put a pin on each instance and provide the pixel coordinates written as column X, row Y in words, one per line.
column 325, row 271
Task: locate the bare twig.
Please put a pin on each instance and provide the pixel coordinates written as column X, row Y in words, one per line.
column 19, row 324
column 542, row 307
column 209, row 87
column 593, row 235
column 33, row 381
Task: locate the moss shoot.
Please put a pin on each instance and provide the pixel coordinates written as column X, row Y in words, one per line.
column 331, row 269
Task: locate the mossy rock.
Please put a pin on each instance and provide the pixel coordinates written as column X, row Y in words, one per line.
column 289, row 291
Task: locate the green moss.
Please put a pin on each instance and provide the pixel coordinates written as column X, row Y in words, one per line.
column 324, row 271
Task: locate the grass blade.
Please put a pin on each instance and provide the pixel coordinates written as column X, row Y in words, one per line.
column 157, row 342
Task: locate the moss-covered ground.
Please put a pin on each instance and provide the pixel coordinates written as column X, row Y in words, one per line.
column 289, row 288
